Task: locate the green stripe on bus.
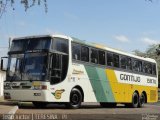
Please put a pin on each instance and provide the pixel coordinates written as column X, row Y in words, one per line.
column 105, row 85
column 100, row 84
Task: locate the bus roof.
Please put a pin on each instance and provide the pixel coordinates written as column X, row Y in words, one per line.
column 37, row 36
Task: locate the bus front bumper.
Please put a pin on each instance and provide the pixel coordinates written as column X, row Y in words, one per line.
column 27, row 95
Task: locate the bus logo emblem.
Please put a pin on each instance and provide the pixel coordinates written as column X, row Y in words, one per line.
column 58, row 93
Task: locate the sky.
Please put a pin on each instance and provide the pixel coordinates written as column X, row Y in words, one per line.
column 127, row 25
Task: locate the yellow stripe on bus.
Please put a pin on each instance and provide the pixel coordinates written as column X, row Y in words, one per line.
column 123, row 92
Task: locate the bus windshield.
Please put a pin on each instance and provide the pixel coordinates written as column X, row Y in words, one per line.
column 35, row 66
column 32, row 66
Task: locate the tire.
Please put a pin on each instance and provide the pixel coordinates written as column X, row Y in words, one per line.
column 142, row 99
column 108, row 105
column 135, row 101
column 40, row 104
column 75, row 99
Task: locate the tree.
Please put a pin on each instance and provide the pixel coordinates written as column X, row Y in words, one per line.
column 158, row 50
column 139, row 53
column 153, row 52
column 26, row 3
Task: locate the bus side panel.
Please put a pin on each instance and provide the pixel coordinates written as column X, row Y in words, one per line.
column 123, row 91
column 80, row 77
column 100, row 84
column 118, row 89
column 105, row 86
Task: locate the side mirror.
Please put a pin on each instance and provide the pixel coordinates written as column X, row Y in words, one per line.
column 4, row 61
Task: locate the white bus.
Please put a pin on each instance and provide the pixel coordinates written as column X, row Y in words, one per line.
column 66, row 70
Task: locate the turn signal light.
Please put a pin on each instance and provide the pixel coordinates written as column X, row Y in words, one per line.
column 43, row 87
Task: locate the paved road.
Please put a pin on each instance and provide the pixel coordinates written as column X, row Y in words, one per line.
column 92, row 111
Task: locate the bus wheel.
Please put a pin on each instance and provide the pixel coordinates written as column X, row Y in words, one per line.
column 40, row 104
column 135, row 101
column 108, row 105
column 75, row 99
column 141, row 100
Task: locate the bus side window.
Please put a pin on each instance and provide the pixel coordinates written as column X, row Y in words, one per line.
column 61, row 45
column 109, row 59
column 85, row 54
column 154, row 69
column 147, row 68
column 101, row 57
column 129, row 63
column 137, row 65
column 126, row 63
column 123, row 61
column 76, row 51
column 144, row 67
column 115, row 60
column 94, row 56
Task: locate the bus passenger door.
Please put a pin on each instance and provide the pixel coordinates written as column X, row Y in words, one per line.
column 55, row 68
column 58, row 67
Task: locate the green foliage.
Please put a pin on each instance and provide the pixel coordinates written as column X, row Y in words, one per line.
column 26, row 3
column 139, row 53
column 151, row 52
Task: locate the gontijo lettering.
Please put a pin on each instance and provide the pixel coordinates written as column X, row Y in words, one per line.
column 130, row 78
